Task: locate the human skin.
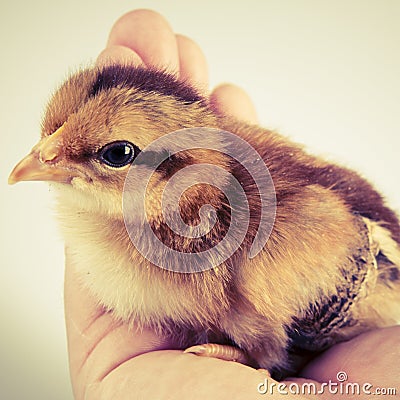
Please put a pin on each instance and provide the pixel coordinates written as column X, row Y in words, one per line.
column 109, row 360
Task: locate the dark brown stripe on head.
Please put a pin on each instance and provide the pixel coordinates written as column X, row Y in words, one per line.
column 146, row 79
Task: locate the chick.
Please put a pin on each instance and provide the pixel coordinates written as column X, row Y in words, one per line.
column 328, row 271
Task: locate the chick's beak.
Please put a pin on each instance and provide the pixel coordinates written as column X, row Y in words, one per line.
column 41, row 164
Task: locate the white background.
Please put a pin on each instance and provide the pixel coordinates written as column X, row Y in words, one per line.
column 324, row 73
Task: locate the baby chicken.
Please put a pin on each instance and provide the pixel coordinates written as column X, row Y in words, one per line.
column 328, row 271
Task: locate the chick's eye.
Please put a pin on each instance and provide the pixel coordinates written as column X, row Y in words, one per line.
column 118, row 154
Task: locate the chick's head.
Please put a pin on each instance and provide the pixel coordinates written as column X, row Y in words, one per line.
column 99, row 121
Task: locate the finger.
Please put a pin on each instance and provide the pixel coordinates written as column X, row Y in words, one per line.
column 192, row 63
column 97, row 343
column 231, row 100
column 118, row 55
column 173, row 375
column 150, row 36
column 369, row 357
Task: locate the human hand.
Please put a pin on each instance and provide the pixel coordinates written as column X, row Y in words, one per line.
column 109, row 360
